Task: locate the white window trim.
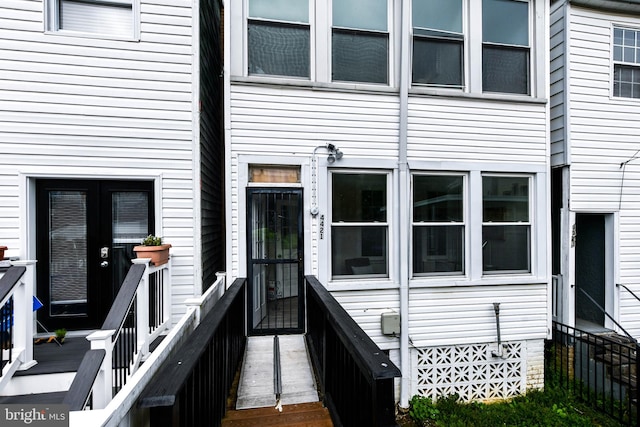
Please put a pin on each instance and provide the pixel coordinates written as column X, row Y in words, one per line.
column 365, row 279
column 464, row 223
column 52, row 23
column 320, row 25
column 613, row 62
column 529, row 223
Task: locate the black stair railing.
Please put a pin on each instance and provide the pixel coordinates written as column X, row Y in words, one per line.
column 356, row 377
column 8, row 282
column 192, row 386
column 599, row 369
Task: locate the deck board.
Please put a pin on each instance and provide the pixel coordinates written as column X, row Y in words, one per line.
column 55, row 359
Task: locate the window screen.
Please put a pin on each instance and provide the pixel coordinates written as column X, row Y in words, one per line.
column 113, row 18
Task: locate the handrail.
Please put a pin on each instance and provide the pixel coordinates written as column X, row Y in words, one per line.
column 192, row 385
column 608, row 315
column 124, row 336
column 629, row 290
column 118, row 311
column 9, row 280
column 16, row 308
column 356, row 376
column 80, row 389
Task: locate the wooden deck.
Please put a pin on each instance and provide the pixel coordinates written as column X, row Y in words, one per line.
column 299, row 415
column 54, row 359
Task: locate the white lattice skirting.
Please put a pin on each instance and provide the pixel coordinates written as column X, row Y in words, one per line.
column 471, row 371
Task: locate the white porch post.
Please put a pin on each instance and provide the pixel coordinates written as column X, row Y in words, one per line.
column 23, row 314
column 103, row 385
column 142, row 311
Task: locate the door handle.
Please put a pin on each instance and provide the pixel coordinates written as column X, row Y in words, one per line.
column 104, row 264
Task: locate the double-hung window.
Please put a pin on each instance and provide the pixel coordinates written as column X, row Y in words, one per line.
column 438, row 43
column 438, row 224
column 505, row 46
column 359, row 224
column 506, row 224
column 279, row 38
column 360, row 41
column 626, row 63
column 110, row 18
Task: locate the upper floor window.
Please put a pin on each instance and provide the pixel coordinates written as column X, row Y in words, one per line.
column 359, row 224
column 109, row 18
column 360, row 41
column 438, row 43
column 506, row 224
column 279, row 37
column 438, row 224
column 505, row 46
column 626, row 63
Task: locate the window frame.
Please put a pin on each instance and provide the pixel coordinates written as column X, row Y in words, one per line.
column 464, row 223
column 309, row 26
column 52, row 20
column 465, row 49
column 473, row 55
column 615, row 63
column 529, row 223
column 389, row 35
column 340, row 278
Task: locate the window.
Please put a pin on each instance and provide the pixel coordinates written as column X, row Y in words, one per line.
column 359, row 224
column 438, row 42
column 505, row 46
column 111, row 18
column 360, row 41
column 626, row 63
column 278, row 38
column 506, row 224
column 438, row 224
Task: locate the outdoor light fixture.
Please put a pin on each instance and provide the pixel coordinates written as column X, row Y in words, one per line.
column 334, row 154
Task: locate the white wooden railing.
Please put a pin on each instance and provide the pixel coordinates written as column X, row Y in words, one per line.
column 18, row 324
column 122, row 410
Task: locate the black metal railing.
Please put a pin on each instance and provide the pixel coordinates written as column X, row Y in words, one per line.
column 122, row 318
column 356, row 377
column 7, row 284
column 601, row 370
column 156, row 300
column 192, row 386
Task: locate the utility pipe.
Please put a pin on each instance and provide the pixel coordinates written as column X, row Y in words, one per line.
column 404, row 198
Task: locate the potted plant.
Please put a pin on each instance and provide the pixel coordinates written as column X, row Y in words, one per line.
column 60, row 334
column 2, row 249
column 152, row 247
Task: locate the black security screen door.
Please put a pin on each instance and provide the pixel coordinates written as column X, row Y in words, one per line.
column 275, row 267
column 86, row 231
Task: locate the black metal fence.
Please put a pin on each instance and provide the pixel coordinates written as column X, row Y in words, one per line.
column 599, row 369
column 192, row 386
column 356, row 377
column 156, row 300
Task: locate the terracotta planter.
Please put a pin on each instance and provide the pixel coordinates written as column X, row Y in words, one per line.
column 159, row 254
column 2, row 249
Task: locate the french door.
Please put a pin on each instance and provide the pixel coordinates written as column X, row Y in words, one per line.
column 275, row 266
column 85, row 232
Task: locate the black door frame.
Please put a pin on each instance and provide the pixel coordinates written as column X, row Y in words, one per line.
column 251, row 261
column 101, row 290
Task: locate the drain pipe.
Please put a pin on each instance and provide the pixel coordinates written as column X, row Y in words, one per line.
column 496, row 309
column 404, row 197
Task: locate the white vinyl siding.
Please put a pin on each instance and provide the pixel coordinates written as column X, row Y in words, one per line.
column 440, row 316
column 559, row 154
column 96, row 107
column 603, row 134
column 452, row 129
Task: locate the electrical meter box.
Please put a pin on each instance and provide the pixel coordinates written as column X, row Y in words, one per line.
column 390, row 322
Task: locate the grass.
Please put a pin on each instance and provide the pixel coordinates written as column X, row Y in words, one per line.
column 551, row 407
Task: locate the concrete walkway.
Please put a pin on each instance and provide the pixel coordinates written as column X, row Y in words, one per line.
column 256, row 380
